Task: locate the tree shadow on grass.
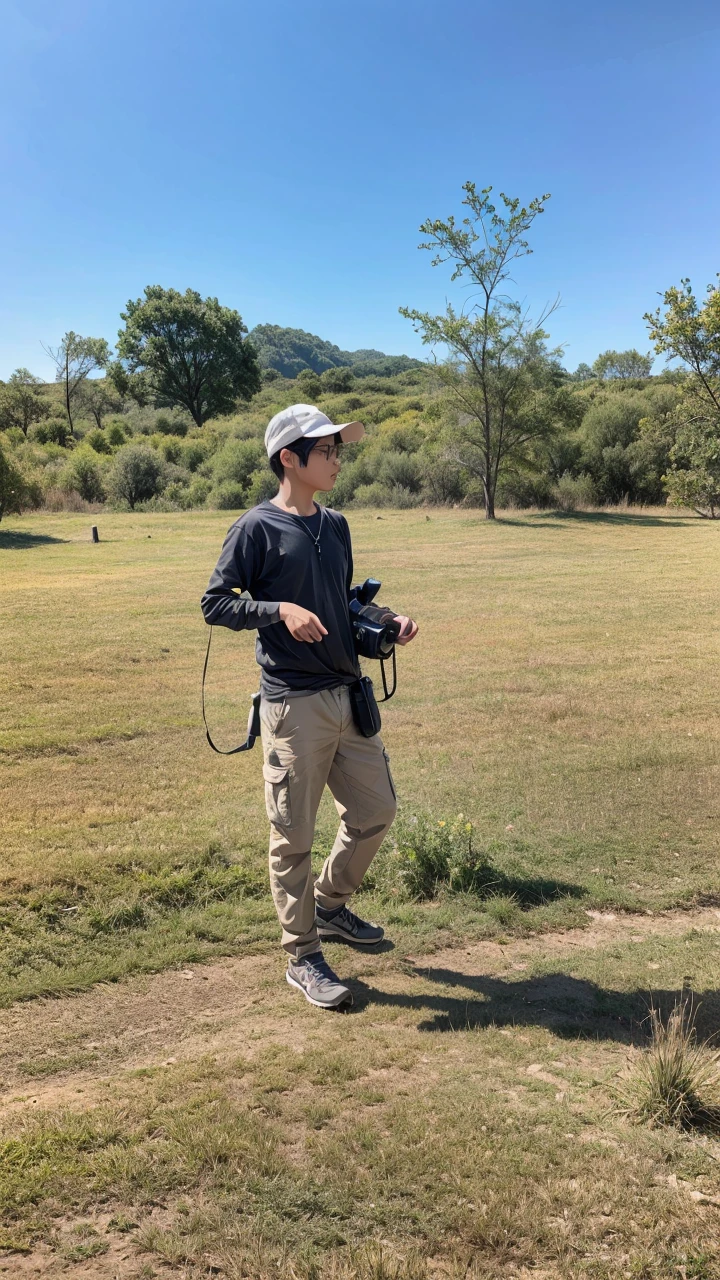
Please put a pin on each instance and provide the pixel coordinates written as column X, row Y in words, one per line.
column 573, row 1008
column 563, row 519
column 15, row 540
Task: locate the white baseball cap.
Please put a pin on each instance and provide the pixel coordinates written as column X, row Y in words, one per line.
column 305, row 422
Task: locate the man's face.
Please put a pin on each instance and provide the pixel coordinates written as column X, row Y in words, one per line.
column 323, row 465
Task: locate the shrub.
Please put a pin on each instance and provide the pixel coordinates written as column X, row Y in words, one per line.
column 263, row 484
column 372, row 495
column 14, row 435
column 572, row 492
column 400, row 435
column 525, row 490
column 403, row 498
column 337, row 379
column 83, row 476
column 309, row 385
column 193, row 454
column 13, row 489
column 236, row 461
column 426, row 854
column 400, row 469
column 115, row 435
column 228, row 496
column 170, row 426
column 169, row 447
column 54, row 431
column 360, row 471
column 98, row 441
column 197, row 491
column 442, row 480
column 136, row 475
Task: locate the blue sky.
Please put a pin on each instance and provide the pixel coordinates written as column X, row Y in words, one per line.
column 283, row 156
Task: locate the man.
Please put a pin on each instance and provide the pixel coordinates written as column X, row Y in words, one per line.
column 294, row 559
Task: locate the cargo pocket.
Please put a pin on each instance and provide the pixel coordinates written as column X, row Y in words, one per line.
column 277, row 794
column 389, row 774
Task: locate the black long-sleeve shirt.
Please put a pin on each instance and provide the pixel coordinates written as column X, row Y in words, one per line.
column 271, row 555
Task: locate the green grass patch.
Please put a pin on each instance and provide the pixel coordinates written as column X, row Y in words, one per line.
column 558, row 696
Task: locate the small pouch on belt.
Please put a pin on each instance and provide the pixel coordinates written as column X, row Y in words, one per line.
column 365, row 709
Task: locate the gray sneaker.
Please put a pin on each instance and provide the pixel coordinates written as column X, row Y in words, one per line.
column 343, row 923
column 313, row 976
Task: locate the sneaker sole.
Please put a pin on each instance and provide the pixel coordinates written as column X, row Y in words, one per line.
column 319, row 1004
column 329, row 933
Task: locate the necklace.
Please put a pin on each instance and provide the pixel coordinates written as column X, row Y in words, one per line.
column 315, row 537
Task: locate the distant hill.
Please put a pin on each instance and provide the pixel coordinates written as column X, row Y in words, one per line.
column 291, row 350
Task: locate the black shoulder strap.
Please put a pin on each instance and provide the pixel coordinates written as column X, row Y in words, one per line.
column 253, row 718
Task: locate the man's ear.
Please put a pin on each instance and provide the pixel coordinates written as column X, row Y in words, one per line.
column 288, row 459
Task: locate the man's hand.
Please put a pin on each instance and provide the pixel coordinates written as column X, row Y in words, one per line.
column 408, row 629
column 301, row 623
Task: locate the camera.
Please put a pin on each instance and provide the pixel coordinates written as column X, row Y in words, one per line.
column 375, row 628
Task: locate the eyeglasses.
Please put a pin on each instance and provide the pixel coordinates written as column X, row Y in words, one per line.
column 328, row 451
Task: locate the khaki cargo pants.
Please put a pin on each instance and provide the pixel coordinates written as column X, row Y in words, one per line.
column 309, row 742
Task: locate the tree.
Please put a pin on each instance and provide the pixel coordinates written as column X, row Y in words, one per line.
column 21, row 401
column 99, row 397
column 693, row 478
column 136, row 475
column 499, row 365
column 689, row 331
column 180, row 350
column 583, row 373
column 622, row 364
column 337, row 380
column 12, row 487
column 75, row 359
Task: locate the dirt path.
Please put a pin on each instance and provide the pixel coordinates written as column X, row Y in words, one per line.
column 66, row 1050
column 75, row 1051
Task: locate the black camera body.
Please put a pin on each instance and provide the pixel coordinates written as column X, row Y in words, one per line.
column 375, row 629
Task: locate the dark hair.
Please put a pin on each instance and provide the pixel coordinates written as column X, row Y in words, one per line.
column 301, row 448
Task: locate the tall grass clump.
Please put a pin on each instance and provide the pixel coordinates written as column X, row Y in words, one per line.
column 676, row 1082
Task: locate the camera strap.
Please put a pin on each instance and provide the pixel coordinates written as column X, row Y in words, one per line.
column 388, row 692
column 253, row 728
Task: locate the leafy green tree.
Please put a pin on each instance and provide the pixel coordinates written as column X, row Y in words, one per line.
column 99, row 397
column 22, row 402
column 12, row 487
column 688, row 330
column 583, row 373
column 622, row 364
column 337, row 380
column 693, row 478
column 182, row 350
column 136, row 474
column 500, row 369
column 75, row 359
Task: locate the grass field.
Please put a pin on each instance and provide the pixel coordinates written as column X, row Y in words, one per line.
column 563, row 696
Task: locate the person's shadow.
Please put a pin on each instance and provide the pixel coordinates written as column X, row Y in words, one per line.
column 575, row 1008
